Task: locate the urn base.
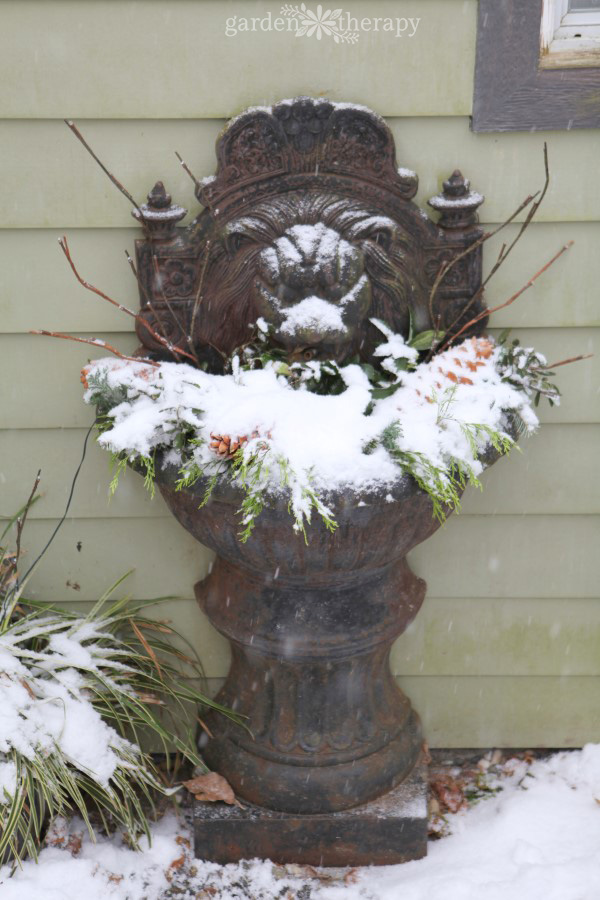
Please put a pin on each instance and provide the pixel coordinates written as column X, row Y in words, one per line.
column 389, row 830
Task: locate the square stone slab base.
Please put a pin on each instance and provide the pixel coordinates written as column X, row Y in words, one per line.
column 386, row 831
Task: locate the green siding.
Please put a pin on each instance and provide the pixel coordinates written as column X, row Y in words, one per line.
column 540, row 482
column 47, row 294
column 62, row 187
column 471, row 556
column 506, row 649
column 56, row 365
column 172, row 60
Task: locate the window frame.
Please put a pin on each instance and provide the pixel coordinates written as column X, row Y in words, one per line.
column 569, row 39
column 513, row 90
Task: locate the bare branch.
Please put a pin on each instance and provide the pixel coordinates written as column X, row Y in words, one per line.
column 516, row 295
column 64, row 246
column 188, row 171
column 22, row 518
column 94, row 342
column 114, row 180
column 450, row 263
column 563, row 362
column 503, row 254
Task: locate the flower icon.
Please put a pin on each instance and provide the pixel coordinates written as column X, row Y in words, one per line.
column 319, row 23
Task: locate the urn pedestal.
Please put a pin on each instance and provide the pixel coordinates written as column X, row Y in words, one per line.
column 309, row 210
column 331, row 755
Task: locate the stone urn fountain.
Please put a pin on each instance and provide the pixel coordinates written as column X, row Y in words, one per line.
column 308, row 205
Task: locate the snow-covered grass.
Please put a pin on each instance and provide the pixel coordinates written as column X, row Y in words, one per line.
column 75, row 695
column 536, row 839
column 432, row 420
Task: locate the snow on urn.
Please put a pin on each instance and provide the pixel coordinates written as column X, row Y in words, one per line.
column 309, row 229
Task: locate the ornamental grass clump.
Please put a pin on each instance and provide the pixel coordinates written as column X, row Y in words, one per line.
column 76, row 694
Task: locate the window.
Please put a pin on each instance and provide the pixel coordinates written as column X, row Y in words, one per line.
column 570, row 34
column 537, row 65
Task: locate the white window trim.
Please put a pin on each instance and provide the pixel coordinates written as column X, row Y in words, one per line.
column 568, row 39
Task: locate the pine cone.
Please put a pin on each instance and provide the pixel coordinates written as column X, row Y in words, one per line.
column 224, row 446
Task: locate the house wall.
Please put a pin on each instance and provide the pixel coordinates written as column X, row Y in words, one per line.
column 506, row 650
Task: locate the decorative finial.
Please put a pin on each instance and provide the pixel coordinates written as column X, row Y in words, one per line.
column 159, row 215
column 158, row 198
column 457, row 204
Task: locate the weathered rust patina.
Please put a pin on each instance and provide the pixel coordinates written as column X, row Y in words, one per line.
column 310, row 624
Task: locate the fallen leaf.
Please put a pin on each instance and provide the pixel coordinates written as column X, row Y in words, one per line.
column 211, row 788
column 449, row 793
column 74, row 844
column 28, row 689
column 351, row 876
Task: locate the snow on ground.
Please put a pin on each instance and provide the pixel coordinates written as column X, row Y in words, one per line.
column 537, row 839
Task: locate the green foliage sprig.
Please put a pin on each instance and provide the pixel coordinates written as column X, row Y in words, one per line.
column 526, row 369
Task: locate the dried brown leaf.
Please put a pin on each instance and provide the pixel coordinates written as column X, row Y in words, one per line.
column 211, row 788
column 449, row 793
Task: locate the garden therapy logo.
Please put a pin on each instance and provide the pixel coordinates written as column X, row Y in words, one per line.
column 322, row 23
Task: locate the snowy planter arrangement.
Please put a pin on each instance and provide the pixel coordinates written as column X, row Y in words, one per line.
column 299, row 433
column 313, row 394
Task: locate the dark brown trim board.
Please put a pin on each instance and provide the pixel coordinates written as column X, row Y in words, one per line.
column 511, row 92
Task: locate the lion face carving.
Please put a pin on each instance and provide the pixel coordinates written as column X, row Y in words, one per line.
column 316, row 267
column 311, row 285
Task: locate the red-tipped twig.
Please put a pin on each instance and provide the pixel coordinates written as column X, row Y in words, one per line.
column 176, row 350
column 198, row 297
column 188, row 171
column 22, row 518
column 96, row 343
column 563, row 362
column 450, row 263
column 502, row 255
column 64, row 246
column 114, row 180
column 515, row 296
column 174, row 316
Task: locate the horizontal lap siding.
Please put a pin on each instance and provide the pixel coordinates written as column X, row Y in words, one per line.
column 60, row 186
column 172, row 59
column 37, row 361
column 540, row 482
column 524, row 637
column 472, row 556
column 506, row 649
column 38, row 288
